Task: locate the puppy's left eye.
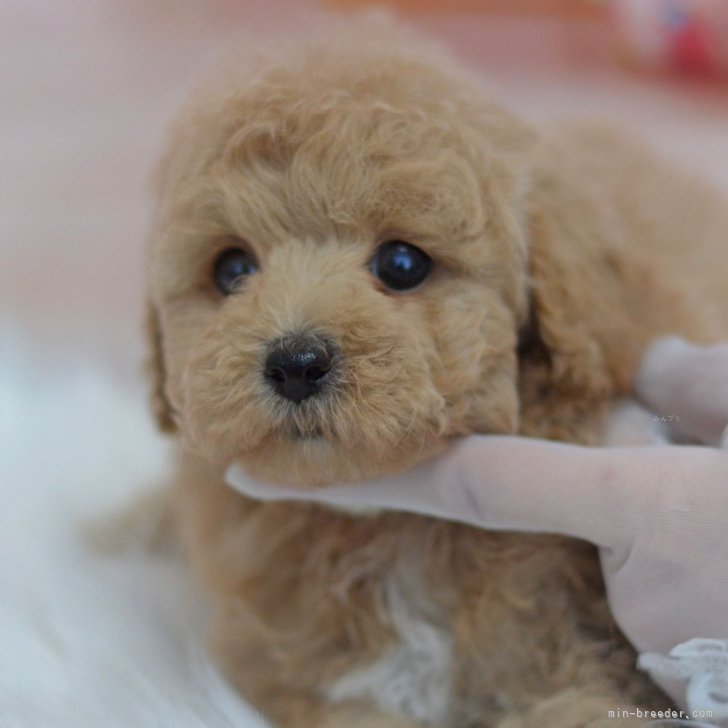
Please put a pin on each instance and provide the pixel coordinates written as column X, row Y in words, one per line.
column 231, row 267
column 401, row 266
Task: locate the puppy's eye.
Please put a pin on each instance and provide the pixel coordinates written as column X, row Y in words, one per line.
column 231, row 267
column 401, row 266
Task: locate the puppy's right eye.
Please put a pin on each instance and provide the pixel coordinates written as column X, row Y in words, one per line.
column 401, row 266
column 232, row 266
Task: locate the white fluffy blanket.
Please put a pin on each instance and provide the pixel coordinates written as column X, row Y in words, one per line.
column 88, row 639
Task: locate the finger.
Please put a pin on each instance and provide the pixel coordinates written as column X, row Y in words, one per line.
column 688, row 386
column 596, row 494
column 602, row 495
column 413, row 492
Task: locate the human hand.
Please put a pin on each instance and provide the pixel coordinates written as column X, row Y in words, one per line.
column 657, row 513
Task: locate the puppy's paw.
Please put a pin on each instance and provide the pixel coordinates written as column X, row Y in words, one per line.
column 365, row 719
column 143, row 526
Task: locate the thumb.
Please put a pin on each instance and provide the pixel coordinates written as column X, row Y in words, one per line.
column 600, row 495
column 505, row 483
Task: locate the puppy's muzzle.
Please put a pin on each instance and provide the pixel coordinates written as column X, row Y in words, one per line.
column 299, row 366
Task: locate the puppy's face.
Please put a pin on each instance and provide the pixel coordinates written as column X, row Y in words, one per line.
column 337, row 276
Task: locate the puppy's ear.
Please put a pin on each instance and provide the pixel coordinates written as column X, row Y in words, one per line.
column 155, row 366
column 574, row 302
column 592, row 301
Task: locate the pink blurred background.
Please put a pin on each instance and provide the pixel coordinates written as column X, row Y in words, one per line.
column 87, row 87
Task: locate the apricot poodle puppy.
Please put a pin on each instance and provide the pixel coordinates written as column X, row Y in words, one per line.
column 357, row 257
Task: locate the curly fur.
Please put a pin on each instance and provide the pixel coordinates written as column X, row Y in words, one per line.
column 558, row 255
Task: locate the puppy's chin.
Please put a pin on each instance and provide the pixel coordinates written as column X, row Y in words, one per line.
column 308, row 461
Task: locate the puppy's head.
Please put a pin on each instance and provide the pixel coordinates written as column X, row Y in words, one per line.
column 338, row 266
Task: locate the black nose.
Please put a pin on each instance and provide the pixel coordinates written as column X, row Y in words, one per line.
column 297, row 366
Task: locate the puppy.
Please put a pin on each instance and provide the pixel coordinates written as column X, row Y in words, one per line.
column 357, row 257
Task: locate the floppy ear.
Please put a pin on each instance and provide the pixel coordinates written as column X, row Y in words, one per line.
column 593, row 302
column 573, row 302
column 155, row 367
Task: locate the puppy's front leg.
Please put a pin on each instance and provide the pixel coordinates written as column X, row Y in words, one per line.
column 291, row 711
column 288, row 692
column 363, row 716
column 577, row 708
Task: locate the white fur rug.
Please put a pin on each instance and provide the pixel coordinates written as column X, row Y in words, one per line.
column 89, row 639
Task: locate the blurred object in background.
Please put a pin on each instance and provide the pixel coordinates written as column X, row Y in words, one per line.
column 86, row 89
column 684, row 36
column 572, row 8
column 535, row 36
